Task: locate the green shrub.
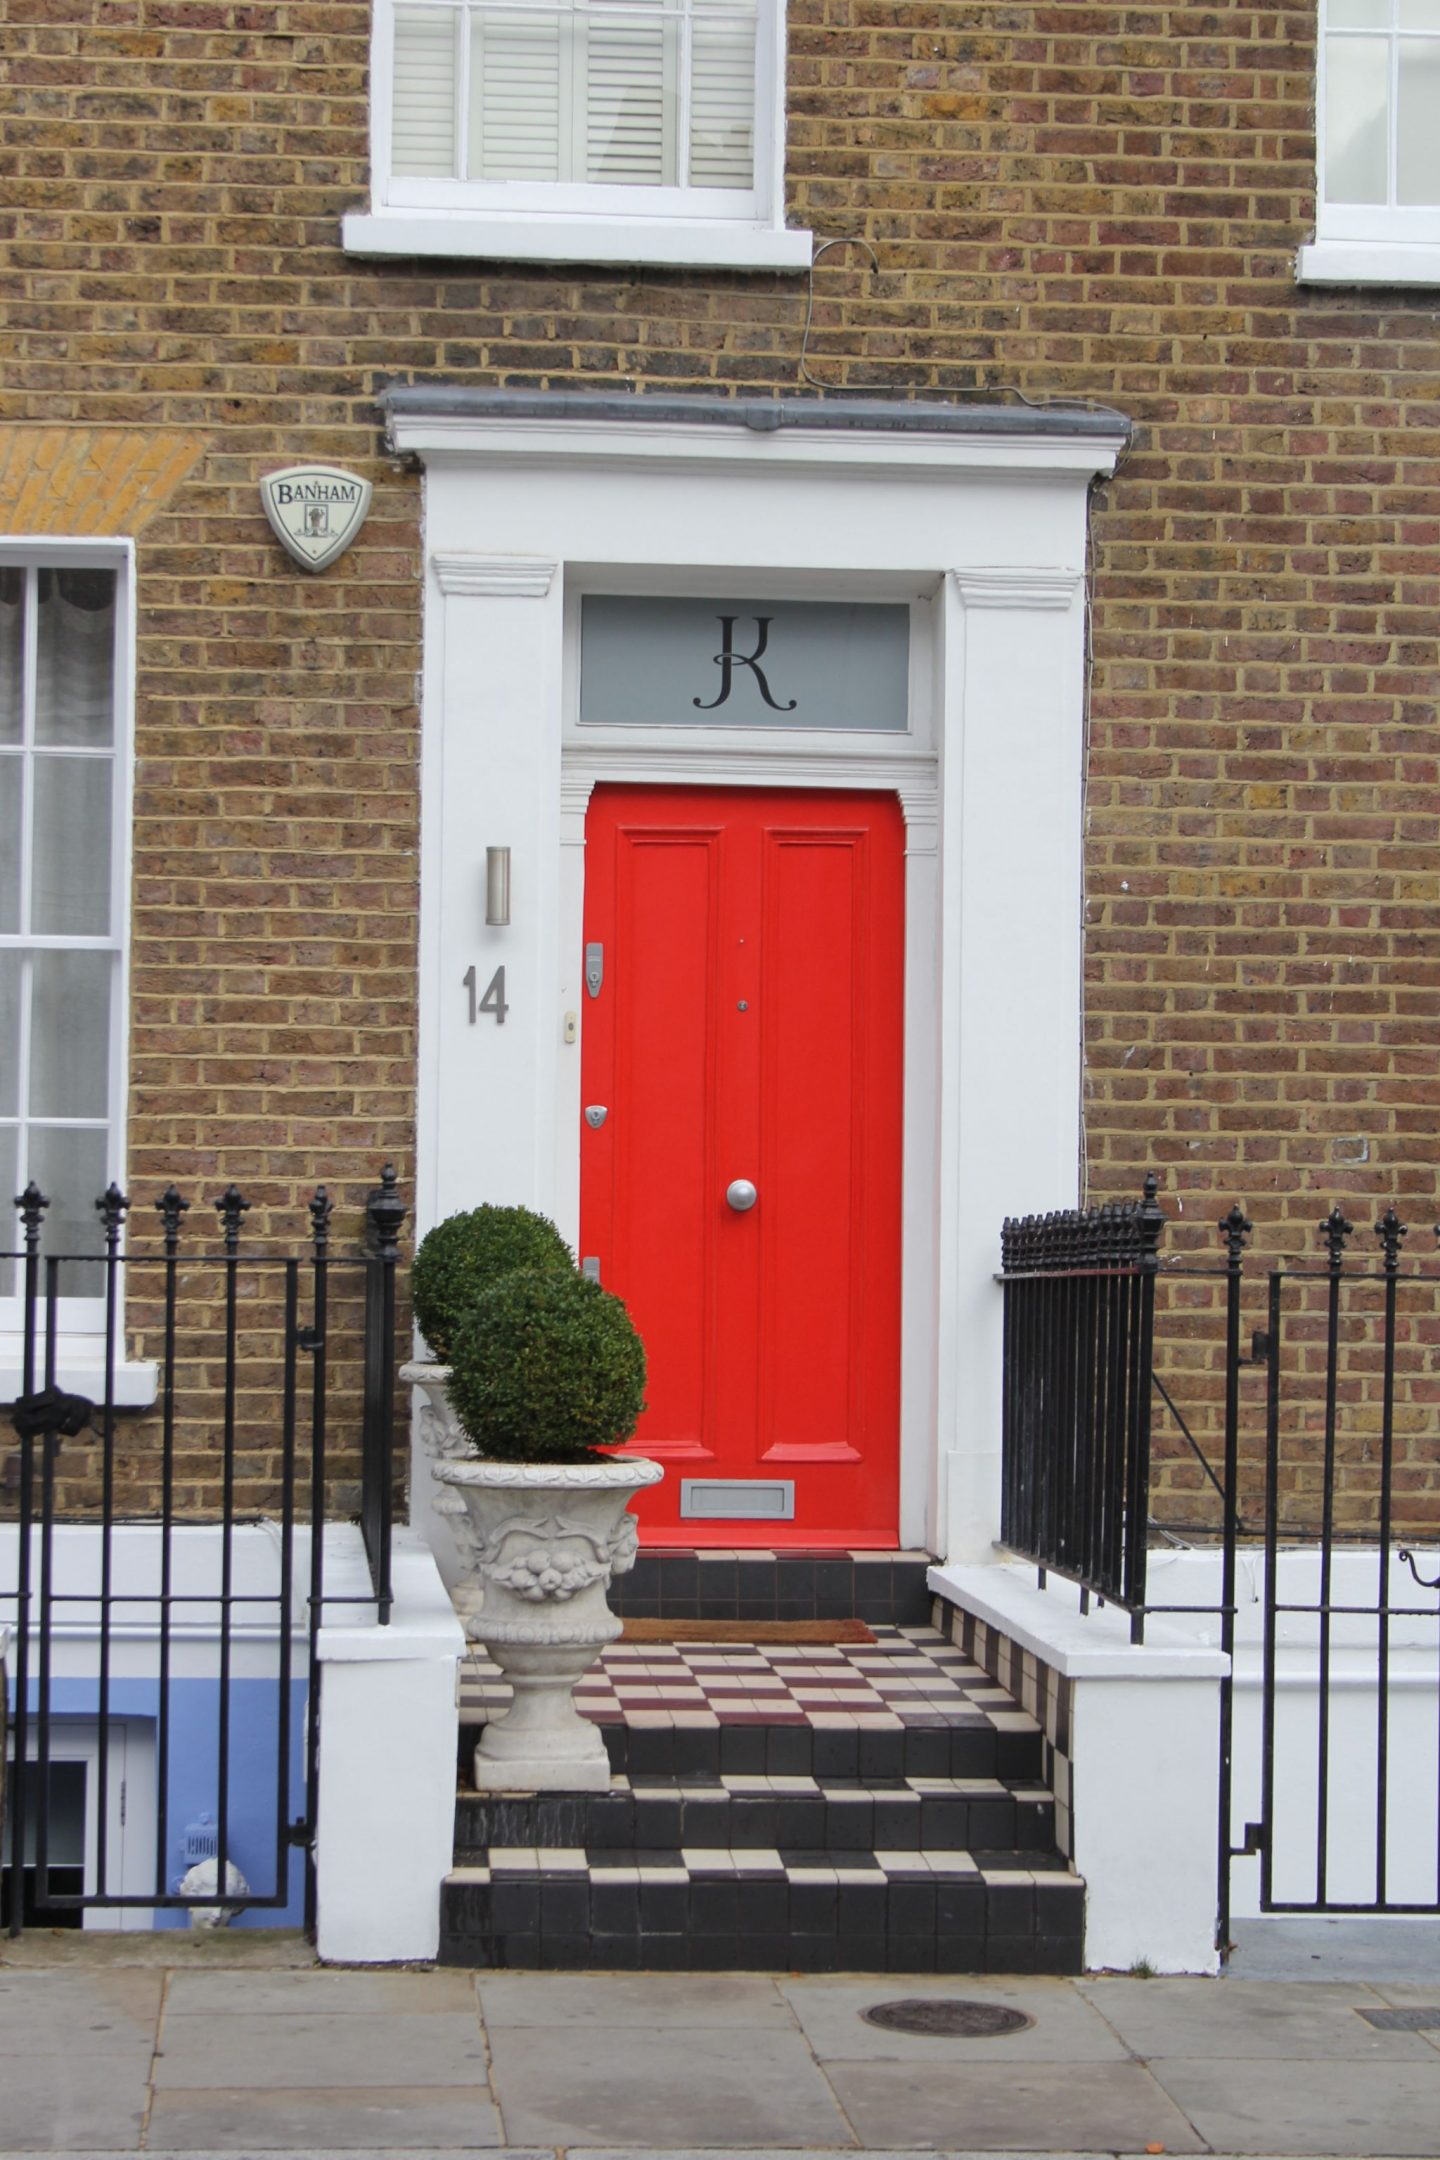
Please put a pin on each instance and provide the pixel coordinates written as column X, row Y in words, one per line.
column 466, row 1253
column 547, row 1367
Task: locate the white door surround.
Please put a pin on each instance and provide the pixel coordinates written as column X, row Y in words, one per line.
column 975, row 516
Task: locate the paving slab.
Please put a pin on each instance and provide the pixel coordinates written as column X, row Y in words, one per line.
column 628, row 2086
column 1315, row 2109
column 51, row 1948
column 651, row 2000
column 1008, row 2107
column 1066, row 2028
column 774, row 2152
column 301, row 2051
column 1301, row 2020
column 61, row 2103
column 387, row 2118
column 322, row 1992
column 1335, row 1946
column 95, row 2013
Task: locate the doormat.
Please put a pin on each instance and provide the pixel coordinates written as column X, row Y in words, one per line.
column 801, row 1632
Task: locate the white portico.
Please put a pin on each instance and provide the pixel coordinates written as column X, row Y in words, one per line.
column 970, row 518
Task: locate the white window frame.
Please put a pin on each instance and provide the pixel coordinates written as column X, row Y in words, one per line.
column 529, row 221
column 81, row 1320
column 1366, row 243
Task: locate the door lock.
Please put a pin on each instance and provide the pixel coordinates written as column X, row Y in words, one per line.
column 594, row 968
column 595, row 1115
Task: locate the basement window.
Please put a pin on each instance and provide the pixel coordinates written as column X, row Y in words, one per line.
column 1377, row 218
column 579, row 130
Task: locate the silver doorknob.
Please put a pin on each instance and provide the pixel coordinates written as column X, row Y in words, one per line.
column 741, row 1194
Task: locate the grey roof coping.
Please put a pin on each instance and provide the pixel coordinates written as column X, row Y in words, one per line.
column 762, row 415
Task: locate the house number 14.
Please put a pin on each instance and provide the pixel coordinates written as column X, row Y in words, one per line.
column 493, row 1000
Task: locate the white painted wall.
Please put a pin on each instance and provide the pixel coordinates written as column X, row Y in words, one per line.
column 1146, row 1741
column 1413, row 1693
column 989, row 528
column 388, row 1740
column 1144, row 1791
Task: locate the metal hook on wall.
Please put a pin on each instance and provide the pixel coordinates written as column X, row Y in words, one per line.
column 1409, row 1559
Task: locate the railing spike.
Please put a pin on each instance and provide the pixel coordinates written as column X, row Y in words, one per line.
column 322, row 1207
column 1390, row 1230
column 32, row 1204
column 1234, row 1229
column 1335, row 1230
column 112, row 1208
column 170, row 1207
column 232, row 1207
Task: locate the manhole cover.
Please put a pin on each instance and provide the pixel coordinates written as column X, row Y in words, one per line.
column 1424, row 2017
column 953, row 2017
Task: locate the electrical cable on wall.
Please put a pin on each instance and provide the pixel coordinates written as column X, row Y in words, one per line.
column 1042, row 404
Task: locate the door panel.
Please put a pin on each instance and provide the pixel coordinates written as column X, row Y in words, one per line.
column 750, row 1026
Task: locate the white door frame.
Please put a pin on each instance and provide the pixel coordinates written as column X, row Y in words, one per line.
column 991, row 521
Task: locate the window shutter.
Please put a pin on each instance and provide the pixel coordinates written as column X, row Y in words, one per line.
column 722, row 95
column 629, row 98
column 422, row 134
column 517, row 85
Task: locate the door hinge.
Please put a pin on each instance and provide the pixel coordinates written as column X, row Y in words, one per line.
column 299, row 1832
column 124, row 1794
column 1256, row 1841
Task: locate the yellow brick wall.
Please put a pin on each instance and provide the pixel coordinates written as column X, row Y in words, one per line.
column 1073, row 201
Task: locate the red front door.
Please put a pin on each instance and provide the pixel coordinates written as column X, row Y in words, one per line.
column 748, row 1031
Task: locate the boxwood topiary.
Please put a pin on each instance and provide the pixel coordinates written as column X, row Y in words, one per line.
column 464, row 1254
column 547, row 1367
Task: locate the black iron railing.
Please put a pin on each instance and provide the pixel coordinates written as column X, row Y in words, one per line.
column 233, row 1440
column 1079, row 1334
column 1327, row 1449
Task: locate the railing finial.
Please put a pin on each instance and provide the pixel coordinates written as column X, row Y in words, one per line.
column 1390, row 1230
column 32, row 1204
column 232, row 1207
column 385, row 1211
column 1335, row 1230
column 170, row 1207
column 322, row 1207
column 1235, row 1228
column 112, row 1208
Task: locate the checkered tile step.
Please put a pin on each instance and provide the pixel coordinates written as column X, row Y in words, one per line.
column 700, row 1911
column 868, row 1807
column 909, row 1676
column 520, row 1863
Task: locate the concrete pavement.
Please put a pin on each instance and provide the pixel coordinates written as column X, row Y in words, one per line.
column 241, row 2044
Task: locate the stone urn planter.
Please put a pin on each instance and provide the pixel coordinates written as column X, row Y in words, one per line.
column 538, row 1377
column 540, row 1542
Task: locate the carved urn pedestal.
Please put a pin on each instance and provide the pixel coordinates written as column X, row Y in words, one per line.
column 542, row 1541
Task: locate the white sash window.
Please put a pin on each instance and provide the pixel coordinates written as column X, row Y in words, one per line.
column 66, row 662
column 606, row 130
column 1377, row 104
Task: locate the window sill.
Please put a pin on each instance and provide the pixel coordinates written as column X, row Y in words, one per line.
column 1369, row 262
column 135, row 1384
column 681, row 243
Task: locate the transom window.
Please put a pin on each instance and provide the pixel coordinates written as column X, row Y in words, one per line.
column 63, row 859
